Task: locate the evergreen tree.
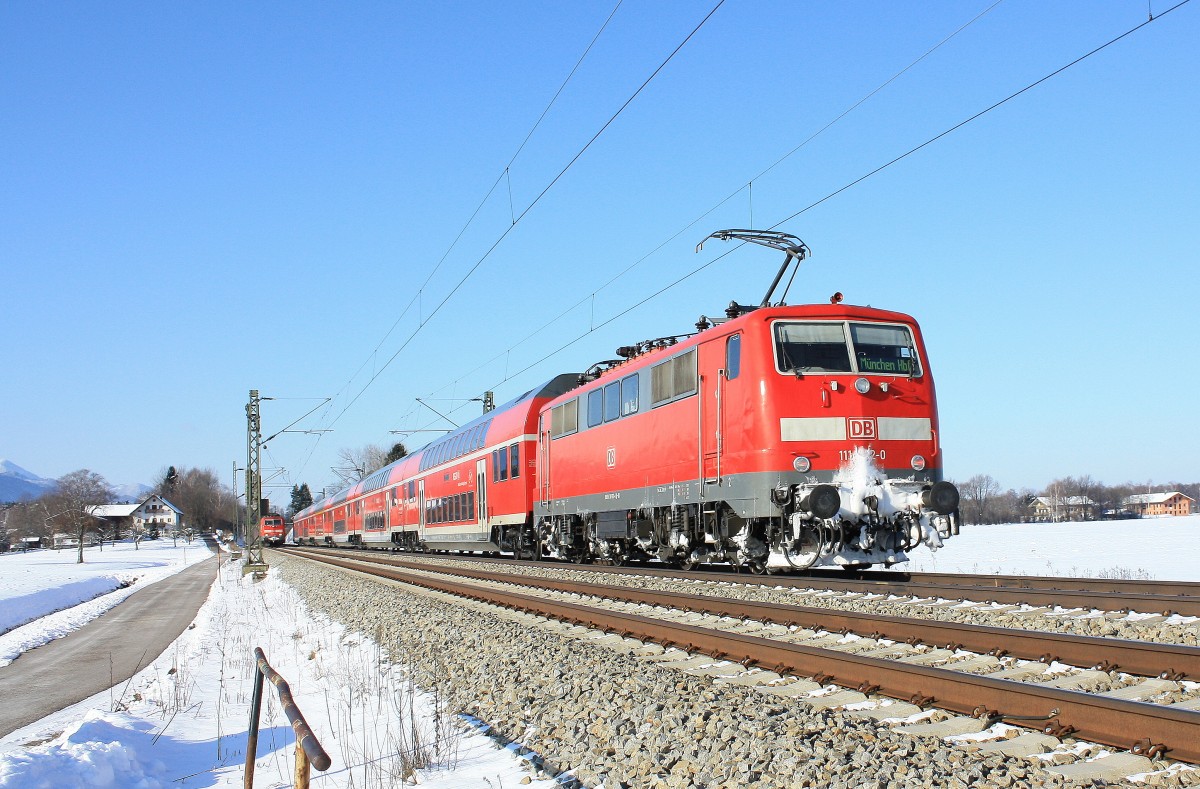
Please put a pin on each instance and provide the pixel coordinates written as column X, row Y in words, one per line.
column 169, row 482
column 397, row 451
column 301, row 497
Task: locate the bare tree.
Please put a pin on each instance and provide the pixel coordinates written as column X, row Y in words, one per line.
column 198, row 492
column 27, row 519
column 358, row 463
column 70, row 504
column 977, row 495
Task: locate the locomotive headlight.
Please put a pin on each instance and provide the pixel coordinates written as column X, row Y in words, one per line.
column 802, row 464
column 918, row 463
column 862, row 385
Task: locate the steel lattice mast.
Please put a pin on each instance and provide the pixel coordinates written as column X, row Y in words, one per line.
column 253, row 484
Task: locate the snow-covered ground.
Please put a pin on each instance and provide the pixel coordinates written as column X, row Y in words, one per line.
column 1162, row 549
column 182, row 720
column 46, row 594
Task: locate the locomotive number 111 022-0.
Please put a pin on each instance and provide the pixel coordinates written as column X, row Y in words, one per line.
column 846, row 454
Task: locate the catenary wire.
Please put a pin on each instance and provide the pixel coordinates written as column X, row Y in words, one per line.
column 722, row 202
column 487, row 196
column 856, row 181
column 527, row 209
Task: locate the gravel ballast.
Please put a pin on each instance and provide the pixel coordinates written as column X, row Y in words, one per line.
column 615, row 720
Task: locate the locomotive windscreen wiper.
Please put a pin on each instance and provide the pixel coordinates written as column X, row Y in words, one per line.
column 793, row 248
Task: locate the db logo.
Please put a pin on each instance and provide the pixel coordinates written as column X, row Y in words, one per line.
column 612, row 457
column 862, row 428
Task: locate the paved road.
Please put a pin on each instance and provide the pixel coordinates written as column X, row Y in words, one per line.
column 70, row 669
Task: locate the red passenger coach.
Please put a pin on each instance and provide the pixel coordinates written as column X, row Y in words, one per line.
column 471, row 490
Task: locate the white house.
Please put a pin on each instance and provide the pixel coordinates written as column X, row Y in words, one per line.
column 1063, row 508
column 155, row 514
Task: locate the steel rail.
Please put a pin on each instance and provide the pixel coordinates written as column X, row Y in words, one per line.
column 1183, row 598
column 1143, row 658
column 1171, row 597
column 1117, row 585
column 1137, row 726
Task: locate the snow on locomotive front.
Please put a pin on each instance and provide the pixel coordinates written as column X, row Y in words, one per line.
column 776, row 437
column 855, row 411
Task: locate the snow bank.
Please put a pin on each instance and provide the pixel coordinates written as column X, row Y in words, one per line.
column 16, row 611
column 102, row 750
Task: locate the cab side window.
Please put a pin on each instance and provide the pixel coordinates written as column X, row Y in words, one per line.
column 733, row 356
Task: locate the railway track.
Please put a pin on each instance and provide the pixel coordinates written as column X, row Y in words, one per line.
column 915, row 661
column 1164, row 598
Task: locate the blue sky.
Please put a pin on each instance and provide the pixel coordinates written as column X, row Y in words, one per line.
column 202, row 199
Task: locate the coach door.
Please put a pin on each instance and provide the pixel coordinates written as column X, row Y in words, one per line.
column 421, row 507
column 481, row 493
column 542, row 469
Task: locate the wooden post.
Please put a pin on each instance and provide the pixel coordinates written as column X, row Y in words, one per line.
column 301, row 767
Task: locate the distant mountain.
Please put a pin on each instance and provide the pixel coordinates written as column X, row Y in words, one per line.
column 16, row 483
column 135, row 491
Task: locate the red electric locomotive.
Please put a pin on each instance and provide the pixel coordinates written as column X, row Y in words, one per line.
column 776, row 437
column 779, row 436
column 271, row 529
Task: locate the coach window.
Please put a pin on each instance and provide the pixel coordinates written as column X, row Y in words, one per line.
column 595, row 407
column 495, row 465
column 471, row 505
column 514, row 457
column 612, row 402
column 503, row 463
column 733, row 356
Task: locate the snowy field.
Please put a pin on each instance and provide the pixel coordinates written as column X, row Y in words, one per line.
column 182, row 720
column 45, row 594
column 1161, row 549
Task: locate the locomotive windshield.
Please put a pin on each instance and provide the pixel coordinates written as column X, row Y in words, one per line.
column 868, row 348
